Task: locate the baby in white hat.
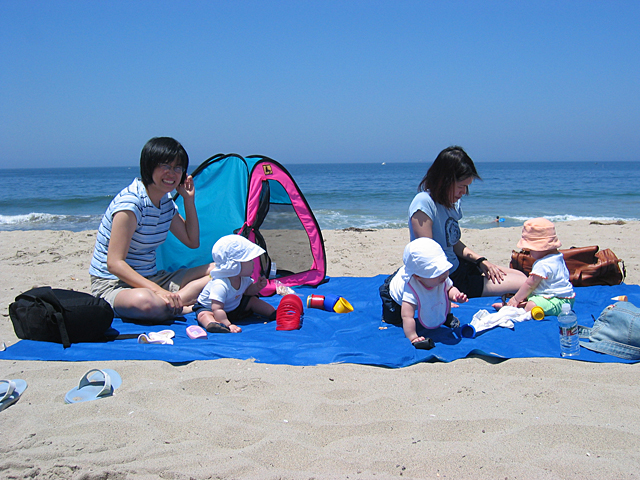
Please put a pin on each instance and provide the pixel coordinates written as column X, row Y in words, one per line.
column 231, row 294
column 422, row 285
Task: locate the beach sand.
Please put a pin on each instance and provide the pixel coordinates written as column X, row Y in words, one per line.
column 474, row 418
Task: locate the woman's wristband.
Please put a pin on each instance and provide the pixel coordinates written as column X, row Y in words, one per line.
column 479, row 261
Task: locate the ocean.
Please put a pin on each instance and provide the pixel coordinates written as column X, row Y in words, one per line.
column 346, row 195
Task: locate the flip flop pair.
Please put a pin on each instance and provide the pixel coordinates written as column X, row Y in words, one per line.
column 93, row 385
column 10, row 391
column 164, row 337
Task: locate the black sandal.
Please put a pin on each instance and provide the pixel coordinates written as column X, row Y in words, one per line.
column 215, row 327
column 426, row 344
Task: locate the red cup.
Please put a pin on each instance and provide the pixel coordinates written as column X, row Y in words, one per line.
column 315, row 301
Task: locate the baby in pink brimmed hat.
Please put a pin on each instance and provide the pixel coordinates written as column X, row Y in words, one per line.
column 548, row 284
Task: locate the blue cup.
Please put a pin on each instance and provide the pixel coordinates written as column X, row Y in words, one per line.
column 468, row 331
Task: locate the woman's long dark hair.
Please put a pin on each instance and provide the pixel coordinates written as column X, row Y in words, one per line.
column 451, row 165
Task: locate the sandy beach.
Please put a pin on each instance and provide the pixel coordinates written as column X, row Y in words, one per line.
column 475, row 418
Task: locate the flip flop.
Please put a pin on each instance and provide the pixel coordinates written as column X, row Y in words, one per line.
column 162, row 337
column 196, row 331
column 426, row 344
column 215, row 327
column 10, row 391
column 163, row 334
column 93, row 385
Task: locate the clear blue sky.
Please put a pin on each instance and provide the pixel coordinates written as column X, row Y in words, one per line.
column 86, row 83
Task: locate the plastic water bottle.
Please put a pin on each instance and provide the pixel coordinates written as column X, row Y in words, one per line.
column 274, row 271
column 568, row 323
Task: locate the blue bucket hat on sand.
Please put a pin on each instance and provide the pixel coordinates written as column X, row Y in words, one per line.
column 615, row 332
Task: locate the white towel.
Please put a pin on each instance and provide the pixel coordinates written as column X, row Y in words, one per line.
column 483, row 320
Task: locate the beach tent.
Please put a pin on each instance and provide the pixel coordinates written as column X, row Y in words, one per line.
column 258, row 198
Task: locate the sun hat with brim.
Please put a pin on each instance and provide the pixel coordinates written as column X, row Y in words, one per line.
column 539, row 234
column 229, row 252
column 424, row 257
column 616, row 332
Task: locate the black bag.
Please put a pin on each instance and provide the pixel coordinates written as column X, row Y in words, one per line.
column 61, row 316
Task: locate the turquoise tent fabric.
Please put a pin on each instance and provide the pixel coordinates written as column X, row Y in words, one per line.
column 220, row 211
column 221, row 203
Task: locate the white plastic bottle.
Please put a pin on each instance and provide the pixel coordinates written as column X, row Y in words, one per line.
column 569, row 340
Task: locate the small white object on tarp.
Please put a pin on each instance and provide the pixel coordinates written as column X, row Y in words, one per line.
column 505, row 317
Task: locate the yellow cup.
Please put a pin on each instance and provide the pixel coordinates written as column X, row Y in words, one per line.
column 342, row 306
column 537, row 313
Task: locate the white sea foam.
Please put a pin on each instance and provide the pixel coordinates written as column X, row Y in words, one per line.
column 336, row 220
column 488, row 221
column 36, row 220
column 29, row 218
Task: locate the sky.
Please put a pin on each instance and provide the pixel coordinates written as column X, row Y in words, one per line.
column 87, row 83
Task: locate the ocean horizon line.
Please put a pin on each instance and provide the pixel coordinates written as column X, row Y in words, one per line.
column 337, row 162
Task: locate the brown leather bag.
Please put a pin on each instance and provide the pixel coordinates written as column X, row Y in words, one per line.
column 587, row 265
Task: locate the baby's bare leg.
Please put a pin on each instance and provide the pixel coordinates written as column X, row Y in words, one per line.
column 205, row 318
column 260, row 307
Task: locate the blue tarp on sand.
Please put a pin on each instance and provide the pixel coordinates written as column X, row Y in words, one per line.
column 359, row 337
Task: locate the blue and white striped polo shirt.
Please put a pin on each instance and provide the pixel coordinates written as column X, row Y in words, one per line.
column 153, row 227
